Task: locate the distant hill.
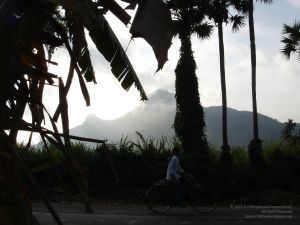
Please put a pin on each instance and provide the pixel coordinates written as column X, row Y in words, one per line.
column 155, row 118
column 240, row 128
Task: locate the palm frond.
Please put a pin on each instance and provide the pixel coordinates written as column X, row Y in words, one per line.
column 288, row 48
column 238, row 21
column 245, row 7
column 286, row 51
column 292, row 30
column 291, row 40
column 203, row 30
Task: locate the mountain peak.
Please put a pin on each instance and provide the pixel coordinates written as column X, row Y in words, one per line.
column 91, row 117
column 161, row 96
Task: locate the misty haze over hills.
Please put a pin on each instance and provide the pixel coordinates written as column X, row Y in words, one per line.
column 155, row 118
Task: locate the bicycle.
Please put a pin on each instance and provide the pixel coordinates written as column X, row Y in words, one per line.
column 161, row 196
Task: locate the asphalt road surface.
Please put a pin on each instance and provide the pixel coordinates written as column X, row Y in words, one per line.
column 120, row 214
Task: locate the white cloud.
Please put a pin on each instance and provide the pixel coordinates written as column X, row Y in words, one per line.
column 294, row 2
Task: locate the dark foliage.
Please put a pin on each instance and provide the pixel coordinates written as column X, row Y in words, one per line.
column 189, row 120
column 189, row 18
column 138, row 168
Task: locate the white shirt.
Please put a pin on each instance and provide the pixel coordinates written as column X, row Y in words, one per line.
column 174, row 168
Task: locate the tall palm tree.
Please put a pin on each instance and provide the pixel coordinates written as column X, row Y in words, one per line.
column 255, row 146
column 291, row 40
column 26, row 29
column 219, row 13
column 189, row 124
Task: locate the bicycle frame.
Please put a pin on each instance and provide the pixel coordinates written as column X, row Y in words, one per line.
column 161, row 196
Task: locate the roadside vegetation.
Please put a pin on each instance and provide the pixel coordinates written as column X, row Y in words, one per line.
column 123, row 171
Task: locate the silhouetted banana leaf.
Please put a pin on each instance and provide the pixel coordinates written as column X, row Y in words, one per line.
column 55, row 133
column 64, row 36
column 38, row 73
column 67, row 87
column 64, row 108
column 36, row 90
column 81, row 52
column 33, row 64
column 109, row 46
column 24, row 70
column 79, row 6
column 106, row 42
column 70, row 77
column 83, row 87
column 112, row 6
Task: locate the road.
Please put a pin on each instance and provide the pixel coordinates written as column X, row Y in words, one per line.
column 113, row 214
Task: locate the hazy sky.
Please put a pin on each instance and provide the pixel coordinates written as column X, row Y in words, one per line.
column 278, row 80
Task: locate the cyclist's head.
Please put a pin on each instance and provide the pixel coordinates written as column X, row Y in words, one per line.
column 176, row 150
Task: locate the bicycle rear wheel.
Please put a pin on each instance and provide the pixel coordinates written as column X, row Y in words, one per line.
column 156, row 199
column 203, row 199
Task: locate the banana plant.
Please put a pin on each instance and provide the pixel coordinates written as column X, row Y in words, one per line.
column 28, row 31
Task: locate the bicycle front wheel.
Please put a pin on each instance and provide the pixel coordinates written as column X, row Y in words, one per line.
column 156, row 199
column 203, row 199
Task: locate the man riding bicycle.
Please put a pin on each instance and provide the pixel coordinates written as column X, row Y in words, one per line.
column 175, row 175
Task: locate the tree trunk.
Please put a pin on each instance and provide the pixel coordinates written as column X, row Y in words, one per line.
column 226, row 155
column 255, row 146
column 223, row 86
column 189, row 120
column 253, row 69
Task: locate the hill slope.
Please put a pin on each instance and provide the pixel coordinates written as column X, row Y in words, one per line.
column 155, row 118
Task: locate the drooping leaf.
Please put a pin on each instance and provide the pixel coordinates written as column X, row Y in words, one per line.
column 109, row 46
column 153, row 23
column 64, row 108
column 39, row 74
column 29, row 140
column 102, row 35
column 132, row 3
column 113, row 6
column 54, row 127
column 84, row 89
column 67, row 88
column 81, row 52
column 64, row 36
